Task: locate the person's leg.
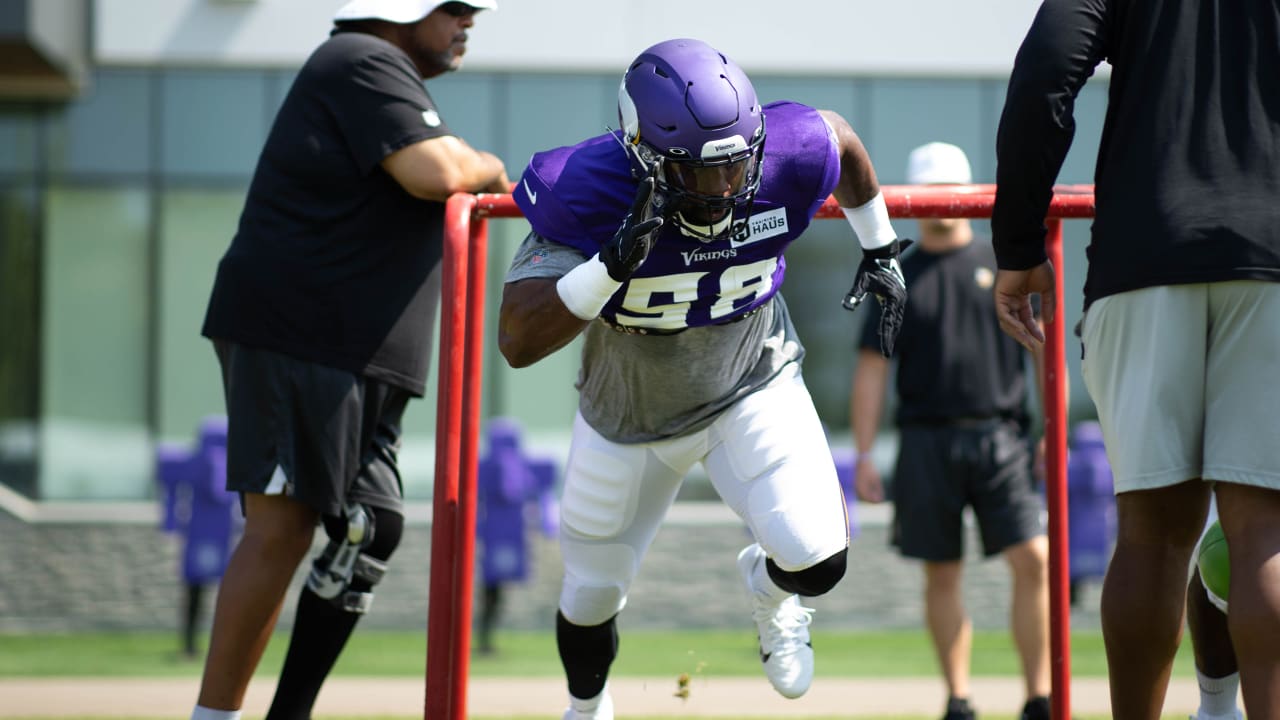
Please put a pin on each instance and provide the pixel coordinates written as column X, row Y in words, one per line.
column 769, row 461
column 1010, row 515
column 1145, row 355
column 362, row 536
column 1216, row 672
column 1143, row 593
column 329, row 607
column 1029, row 614
column 949, row 625
column 929, row 499
column 1250, row 519
column 277, row 533
column 1242, row 455
column 1029, row 621
column 614, row 499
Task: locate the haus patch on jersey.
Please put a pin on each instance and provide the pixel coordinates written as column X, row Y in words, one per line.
column 760, row 226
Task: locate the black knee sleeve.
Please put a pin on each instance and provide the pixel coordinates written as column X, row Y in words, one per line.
column 586, row 651
column 813, row 580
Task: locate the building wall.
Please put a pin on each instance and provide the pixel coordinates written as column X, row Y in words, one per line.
column 115, row 207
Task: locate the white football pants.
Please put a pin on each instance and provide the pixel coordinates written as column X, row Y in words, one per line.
column 766, row 456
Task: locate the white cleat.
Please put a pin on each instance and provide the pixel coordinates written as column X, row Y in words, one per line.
column 783, row 630
column 597, row 708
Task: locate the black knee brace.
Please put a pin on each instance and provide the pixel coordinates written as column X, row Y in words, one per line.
column 813, row 580
column 361, row 541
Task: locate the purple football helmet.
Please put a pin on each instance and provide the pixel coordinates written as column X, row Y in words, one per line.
column 690, row 117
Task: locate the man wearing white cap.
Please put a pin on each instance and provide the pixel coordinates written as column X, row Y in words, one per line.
column 962, row 391
column 321, row 315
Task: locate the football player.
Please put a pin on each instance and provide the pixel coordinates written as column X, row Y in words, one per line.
column 662, row 244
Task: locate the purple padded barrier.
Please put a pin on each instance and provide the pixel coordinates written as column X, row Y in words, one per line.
column 1091, row 503
column 196, row 503
column 508, row 482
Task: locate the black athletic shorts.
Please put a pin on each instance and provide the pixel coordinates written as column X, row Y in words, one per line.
column 323, row 436
column 943, row 468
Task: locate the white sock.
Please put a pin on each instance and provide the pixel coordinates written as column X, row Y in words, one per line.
column 203, row 713
column 1218, row 696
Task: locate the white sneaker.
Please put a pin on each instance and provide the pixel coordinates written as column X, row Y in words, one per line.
column 783, row 631
column 598, row 708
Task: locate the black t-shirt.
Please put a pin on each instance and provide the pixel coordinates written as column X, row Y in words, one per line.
column 1188, row 171
column 332, row 255
column 953, row 359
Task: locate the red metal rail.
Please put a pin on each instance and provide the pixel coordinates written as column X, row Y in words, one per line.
column 458, row 422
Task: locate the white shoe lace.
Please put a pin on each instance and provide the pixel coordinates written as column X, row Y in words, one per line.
column 783, row 628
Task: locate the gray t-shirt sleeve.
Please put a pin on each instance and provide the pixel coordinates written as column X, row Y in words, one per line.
column 538, row 257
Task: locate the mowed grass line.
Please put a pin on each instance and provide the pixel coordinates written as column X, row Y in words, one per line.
column 728, row 653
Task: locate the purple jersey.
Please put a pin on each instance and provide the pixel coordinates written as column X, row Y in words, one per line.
column 578, row 195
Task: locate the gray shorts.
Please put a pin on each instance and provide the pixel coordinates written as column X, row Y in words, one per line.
column 1184, row 378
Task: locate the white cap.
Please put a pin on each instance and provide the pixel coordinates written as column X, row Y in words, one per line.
column 399, row 11
column 938, row 163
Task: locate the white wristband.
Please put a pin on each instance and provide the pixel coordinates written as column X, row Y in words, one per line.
column 586, row 288
column 871, row 224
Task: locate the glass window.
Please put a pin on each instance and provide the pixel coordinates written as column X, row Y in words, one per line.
column 908, row 113
column 466, row 102
column 214, row 123
column 94, row 370
column 18, row 151
column 195, row 229
column 106, row 131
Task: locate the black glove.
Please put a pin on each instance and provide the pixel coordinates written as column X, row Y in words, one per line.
column 880, row 275
column 631, row 244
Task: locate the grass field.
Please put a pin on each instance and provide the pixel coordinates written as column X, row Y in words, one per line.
column 527, row 654
column 533, row 654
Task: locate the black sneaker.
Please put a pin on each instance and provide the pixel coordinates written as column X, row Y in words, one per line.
column 959, row 709
column 1037, row 708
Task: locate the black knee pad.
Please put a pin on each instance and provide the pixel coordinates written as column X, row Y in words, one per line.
column 813, row 580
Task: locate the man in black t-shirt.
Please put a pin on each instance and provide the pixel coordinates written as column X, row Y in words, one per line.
column 1181, row 330
column 321, row 314
column 962, row 390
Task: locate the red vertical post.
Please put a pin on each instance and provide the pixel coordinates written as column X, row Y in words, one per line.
column 446, row 638
column 1055, row 429
column 465, row 528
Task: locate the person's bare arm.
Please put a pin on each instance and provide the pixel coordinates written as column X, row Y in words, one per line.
column 541, row 315
column 435, row 168
column 533, row 321
column 857, row 184
column 870, row 378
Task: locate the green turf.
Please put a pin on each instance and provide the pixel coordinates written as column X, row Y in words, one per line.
column 533, row 654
